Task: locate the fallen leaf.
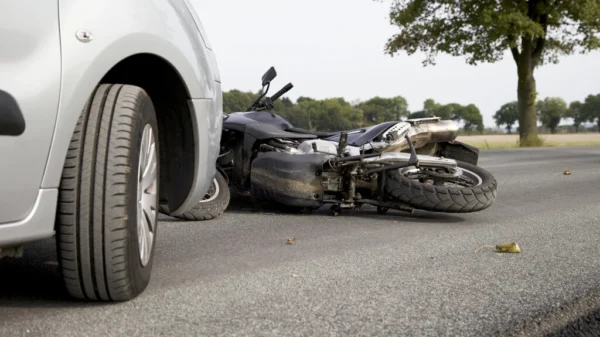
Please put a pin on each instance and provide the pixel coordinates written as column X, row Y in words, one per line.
column 511, row 247
column 291, row 241
column 567, row 173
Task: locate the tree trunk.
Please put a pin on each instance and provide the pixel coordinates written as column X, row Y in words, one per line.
column 526, row 61
column 528, row 130
column 598, row 122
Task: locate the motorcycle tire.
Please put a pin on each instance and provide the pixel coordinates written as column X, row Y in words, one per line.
column 435, row 198
column 213, row 204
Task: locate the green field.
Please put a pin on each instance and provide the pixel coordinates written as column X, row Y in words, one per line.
column 511, row 141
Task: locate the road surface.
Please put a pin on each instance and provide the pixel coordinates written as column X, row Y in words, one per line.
column 359, row 274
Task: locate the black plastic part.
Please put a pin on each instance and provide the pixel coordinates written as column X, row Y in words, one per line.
column 238, row 119
column 319, row 134
column 268, row 131
column 263, row 125
column 12, row 122
column 269, row 76
column 283, row 90
column 288, row 179
column 459, row 151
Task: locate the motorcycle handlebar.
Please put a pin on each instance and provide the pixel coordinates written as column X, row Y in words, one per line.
column 283, row 90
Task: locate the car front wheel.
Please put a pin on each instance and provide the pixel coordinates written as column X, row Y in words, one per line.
column 108, row 198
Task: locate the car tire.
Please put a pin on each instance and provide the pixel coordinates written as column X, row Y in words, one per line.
column 215, row 202
column 102, row 218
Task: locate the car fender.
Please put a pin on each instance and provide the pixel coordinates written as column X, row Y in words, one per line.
column 92, row 45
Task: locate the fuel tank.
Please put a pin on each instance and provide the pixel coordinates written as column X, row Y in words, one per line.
column 289, row 179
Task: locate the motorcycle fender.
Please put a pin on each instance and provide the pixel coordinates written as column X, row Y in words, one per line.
column 459, row 151
column 289, row 179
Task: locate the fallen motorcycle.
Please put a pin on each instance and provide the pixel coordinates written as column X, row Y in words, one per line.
column 404, row 165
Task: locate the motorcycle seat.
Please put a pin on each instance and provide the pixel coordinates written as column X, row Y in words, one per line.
column 319, row 134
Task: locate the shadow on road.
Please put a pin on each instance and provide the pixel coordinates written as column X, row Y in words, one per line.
column 242, row 205
column 34, row 281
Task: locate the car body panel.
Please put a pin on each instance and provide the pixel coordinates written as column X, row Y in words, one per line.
column 30, row 68
column 39, row 224
column 164, row 28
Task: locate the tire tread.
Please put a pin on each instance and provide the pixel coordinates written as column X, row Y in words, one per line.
column 441, row 199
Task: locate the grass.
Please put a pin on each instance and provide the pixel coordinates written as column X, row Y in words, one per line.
column 512, row 141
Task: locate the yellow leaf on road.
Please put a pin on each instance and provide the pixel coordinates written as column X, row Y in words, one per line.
column 291, row 241
column 511, row 247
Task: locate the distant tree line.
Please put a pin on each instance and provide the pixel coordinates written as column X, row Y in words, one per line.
column 334, row 114
column 551, row 111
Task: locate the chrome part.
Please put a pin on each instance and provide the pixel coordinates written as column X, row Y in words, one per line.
column 212, row 192
column 420, row 135
column 417, row 121
column 146, row 195
column 461, row 178
column 424, row 160
column 84, row 35
column 322, row 146
column 332, row 181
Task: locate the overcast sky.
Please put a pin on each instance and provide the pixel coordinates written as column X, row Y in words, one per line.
column 335, row 48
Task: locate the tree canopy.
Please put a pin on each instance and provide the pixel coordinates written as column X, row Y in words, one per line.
column 334, row 114
column 551, row 110
column 507, row 115
column 534, row 31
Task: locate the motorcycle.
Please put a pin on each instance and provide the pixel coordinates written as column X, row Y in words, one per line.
column 403, row 165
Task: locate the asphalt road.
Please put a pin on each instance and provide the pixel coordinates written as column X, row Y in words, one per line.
column 357, row 274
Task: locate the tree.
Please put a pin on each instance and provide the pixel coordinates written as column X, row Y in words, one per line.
column 534, row 31
column 379, row 110
column 550, row 111
column 471, row 117
column 591, row 109
column 507, row 115
column 469, row 114
column 236, row 100
column 576, row 114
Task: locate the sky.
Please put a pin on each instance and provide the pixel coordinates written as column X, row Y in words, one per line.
column 335, row 48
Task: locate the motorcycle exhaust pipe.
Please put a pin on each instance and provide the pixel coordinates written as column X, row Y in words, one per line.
column 423, row 134
column 442, row 131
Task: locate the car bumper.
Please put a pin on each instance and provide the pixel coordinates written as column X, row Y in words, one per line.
column 39, row 224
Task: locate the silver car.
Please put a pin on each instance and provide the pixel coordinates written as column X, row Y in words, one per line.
column 107, row 109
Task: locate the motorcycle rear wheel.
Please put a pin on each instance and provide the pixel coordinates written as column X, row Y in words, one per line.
column 476, row 195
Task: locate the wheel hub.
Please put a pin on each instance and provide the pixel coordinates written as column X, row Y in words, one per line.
column 146, row 194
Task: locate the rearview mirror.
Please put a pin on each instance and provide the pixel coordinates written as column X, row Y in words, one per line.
column 269, row 76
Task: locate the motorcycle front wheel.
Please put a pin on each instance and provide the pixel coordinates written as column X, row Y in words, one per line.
column 470, row 189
